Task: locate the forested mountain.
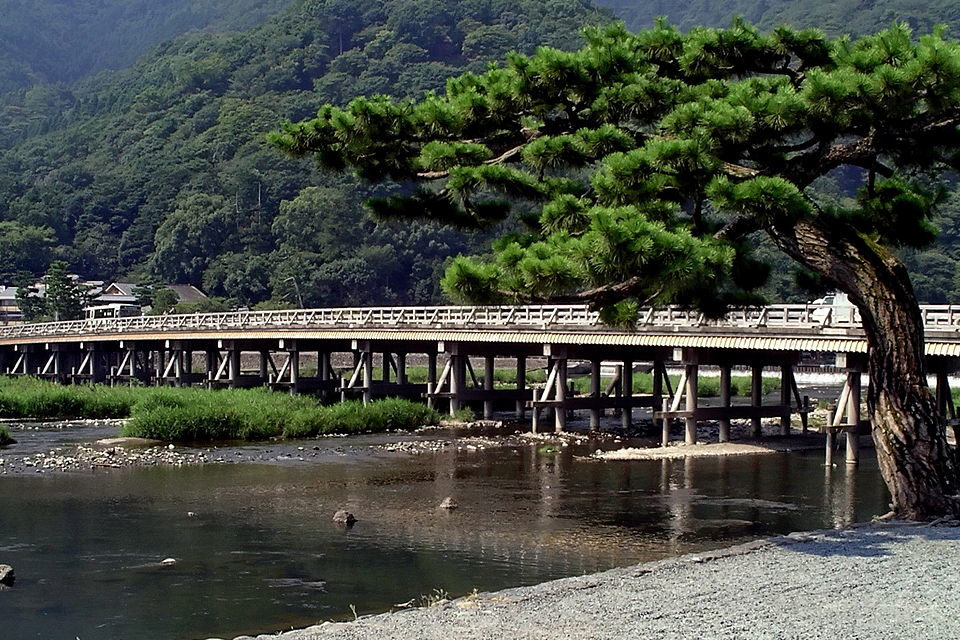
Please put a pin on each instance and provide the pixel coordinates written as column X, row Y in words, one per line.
column 161, row 170
column 46, row 41
column 836, row 17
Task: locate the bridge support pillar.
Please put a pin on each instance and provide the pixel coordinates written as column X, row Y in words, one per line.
column 626, row 378
column 595, row 394
column 853, row 415
column 693, row 379
column 488, row 364
column 756, row 398
column 458, row 379
column 402, row 368
column 786, row 386
column 431, row 378
column 521, row 385
column 725, row 387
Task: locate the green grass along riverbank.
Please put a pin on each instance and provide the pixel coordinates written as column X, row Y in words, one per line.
column 191, row 415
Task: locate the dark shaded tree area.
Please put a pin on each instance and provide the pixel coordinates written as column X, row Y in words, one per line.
column 162, row 170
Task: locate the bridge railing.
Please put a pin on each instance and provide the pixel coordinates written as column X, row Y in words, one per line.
column 801, row 317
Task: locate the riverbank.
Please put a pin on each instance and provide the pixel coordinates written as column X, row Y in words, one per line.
column 890, row 580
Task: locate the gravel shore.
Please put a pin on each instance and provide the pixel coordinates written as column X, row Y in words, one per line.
column 890, row 581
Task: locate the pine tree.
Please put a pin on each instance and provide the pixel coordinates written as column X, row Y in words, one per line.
column 651, row 160
column 65, row 299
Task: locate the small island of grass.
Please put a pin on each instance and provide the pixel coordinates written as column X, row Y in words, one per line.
column 192, row 415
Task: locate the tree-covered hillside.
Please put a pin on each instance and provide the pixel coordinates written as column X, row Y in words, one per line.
column 162, row 169
column 45, row 41
column 836, row 17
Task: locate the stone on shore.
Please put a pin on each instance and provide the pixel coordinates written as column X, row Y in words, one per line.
column 7, row 577
column 449, row 504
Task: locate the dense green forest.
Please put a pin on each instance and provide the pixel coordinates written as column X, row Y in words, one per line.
column 47, row 41
column 161, row 170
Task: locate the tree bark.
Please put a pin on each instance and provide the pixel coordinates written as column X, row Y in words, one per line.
column 917, row 464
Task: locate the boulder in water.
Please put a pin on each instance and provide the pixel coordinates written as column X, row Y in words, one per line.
column 7, row 576
column 344, row 517
column 449, row 504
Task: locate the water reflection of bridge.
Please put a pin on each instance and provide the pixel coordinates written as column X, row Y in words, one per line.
column 460, row 345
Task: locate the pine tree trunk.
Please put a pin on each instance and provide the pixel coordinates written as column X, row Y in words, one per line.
column 917, row 464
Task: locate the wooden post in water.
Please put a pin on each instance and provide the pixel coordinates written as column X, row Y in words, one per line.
column 756, row 398
column 665, row 434
column 831, row 439
column 725, row 386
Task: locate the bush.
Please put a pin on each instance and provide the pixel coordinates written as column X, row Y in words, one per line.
column 194, row 415
column 5, row 437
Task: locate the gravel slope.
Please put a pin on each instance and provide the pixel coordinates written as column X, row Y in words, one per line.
column 888, row 581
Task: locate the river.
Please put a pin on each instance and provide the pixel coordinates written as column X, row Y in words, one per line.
column 256, row 549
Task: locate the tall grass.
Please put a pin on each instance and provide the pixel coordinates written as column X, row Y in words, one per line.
column 191, row 415
column 31, row 398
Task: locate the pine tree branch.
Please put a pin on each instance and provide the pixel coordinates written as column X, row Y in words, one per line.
column 506, row 156
column 597, row 297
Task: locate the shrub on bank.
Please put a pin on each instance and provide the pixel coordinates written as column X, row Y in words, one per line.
column 190, row 415
column 5, row 437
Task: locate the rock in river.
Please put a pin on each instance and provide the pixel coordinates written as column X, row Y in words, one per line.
column 6, row 575
column 344, row 517
column 448, row 503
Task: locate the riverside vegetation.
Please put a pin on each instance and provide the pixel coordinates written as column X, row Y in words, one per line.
column 190, row 415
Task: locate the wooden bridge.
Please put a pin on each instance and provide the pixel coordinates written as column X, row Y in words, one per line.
column 216, row 350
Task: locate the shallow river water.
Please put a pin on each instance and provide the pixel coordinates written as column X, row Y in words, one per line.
column 256, row 550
